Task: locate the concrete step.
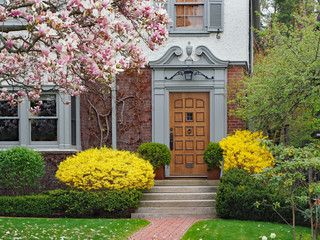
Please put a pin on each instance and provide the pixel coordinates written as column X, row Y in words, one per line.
column 181, row 189
column 177, row 210
column 181, row 182
column 177, row 203
column 179, row 199
column 158, row 215
column 178, row 196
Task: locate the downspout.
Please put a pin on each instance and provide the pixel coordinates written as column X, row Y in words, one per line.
column 114, row 113
column 250, row 37
column 221, row 172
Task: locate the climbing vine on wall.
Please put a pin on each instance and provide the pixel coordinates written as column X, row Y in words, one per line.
column 133, row 112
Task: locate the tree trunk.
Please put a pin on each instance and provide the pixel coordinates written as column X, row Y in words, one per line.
column 310, row 204
column 293, row 219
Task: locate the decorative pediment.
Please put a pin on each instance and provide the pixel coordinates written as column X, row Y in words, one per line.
column 207, row 58
column 172, row 59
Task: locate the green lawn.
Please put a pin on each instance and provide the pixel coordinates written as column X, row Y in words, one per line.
column 242, row 230
column 63, row 228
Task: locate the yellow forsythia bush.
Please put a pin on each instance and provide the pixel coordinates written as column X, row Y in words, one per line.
column 244, row 150
column 106, row 169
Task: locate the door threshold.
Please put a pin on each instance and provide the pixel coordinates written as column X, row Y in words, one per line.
column 188, row 177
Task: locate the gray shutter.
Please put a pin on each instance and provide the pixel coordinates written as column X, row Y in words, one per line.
column 215, row 16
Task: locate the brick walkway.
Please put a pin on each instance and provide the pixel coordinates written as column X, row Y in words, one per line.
column 168, row 229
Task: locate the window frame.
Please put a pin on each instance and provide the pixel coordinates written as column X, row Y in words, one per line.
column 190, row 29
column 206, row 29
column 57, row 117
column 65, row 131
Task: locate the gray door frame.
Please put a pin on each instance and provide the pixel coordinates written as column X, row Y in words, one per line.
column 166, row 67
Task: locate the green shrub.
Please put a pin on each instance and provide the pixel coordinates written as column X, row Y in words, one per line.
column 238, row 194
column 156, row 153
column 213, row 155
column 71, row 203
column 26, row 206
column 75, row 203
column 20, row 170
column 106, row 169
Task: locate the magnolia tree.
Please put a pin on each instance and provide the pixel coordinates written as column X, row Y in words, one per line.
column 68, row 43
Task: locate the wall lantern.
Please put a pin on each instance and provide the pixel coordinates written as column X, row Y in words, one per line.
column 188, row 74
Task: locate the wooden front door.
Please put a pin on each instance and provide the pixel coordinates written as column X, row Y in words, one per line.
column 189, row 133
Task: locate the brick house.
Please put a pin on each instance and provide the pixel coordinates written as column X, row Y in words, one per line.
column 179, row 99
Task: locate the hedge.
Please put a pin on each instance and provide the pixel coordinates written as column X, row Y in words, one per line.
column 26, row 206
column 71, row 203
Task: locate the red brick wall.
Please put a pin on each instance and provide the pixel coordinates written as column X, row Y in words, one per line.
column 49, row 181
column 235, row 74
column 134, row 112
column 95, row 116
column 135, row 116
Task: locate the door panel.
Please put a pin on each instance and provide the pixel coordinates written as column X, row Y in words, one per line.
column 189, row 124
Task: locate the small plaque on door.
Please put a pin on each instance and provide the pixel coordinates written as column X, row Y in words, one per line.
column 189, row 166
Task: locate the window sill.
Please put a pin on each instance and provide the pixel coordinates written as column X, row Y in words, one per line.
column 56, row 151
column 47, row 150
column 189, row 34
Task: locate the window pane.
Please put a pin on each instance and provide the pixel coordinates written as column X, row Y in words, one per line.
column 180, row 10
column 9, row 130
column 180, row 22
column 198, row 22
column 6, row 110
column 198, row 10
column 48, row 107
column 188, row 22
column 189, row 10
column 44, row 130
column 189, row 116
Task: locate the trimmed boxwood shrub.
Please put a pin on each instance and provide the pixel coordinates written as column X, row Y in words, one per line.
column 213, row 155
column 77, row 203
column 20, row 170
column 156, row 153
column 237, row 194
column 26, row 206
column 72, row 203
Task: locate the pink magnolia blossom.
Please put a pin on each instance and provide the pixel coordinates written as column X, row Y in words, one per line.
column 82, row 41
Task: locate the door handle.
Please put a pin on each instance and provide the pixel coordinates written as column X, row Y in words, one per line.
column 171, row 141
